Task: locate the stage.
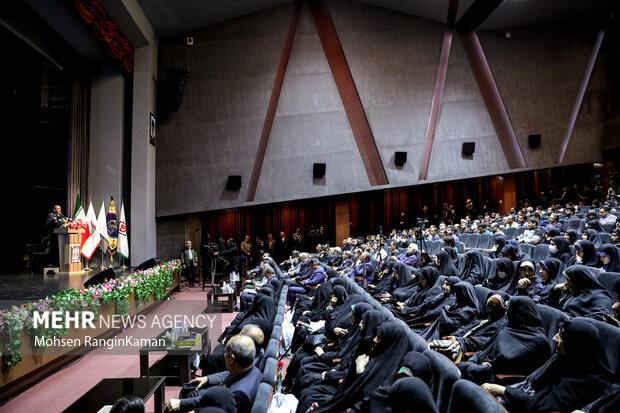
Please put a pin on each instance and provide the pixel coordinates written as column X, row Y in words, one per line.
column 30, row 287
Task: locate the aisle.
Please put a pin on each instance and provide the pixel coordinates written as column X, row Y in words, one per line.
column 59, row 390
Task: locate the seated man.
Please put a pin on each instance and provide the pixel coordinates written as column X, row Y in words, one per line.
column 533, row 234
column 302, row 271
column 243, row 379
column 268, row 274
column 214, row 365
column 317, row 277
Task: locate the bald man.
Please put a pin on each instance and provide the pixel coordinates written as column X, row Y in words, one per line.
column 243, row 379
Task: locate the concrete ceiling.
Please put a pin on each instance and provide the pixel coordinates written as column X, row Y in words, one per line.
column 171, row 18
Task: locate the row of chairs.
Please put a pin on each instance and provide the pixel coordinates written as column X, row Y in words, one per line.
column 270, row 371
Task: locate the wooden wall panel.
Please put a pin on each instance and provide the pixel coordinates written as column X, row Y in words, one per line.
column 367, row 211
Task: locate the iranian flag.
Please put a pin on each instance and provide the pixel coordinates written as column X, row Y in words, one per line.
column 92, row 236
column 80, row 216
column 123, row 240
column 102, row 227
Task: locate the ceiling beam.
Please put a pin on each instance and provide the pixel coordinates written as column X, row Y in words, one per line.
column 348, row 93
column 477, row 13
column 273, row 104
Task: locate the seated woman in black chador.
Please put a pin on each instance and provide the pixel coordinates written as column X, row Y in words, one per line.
column 428, row 286
column 585, row 296
column 519, row 348
column 498, row 244
column 585, row 254
column 320, row 387
column 551, row 275
column 432, row 306
column 576, row 375
column 371, row 370
column 525, row 283
column 445, row 265
column 559, row 248
column 609, row 258
column 462, row 312
column 327, row 352
column 413, row 364
column 474, row 268
column 471, row 337
column 505, row 271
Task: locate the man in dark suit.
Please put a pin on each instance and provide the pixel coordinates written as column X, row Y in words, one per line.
column 189, row 261
column 281, row 249
column 52, row 221
column 243, row 379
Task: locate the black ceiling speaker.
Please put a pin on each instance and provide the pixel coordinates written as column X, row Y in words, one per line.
column 534, row 141
column 469, row 148
column 233, row 183
column 318, row 170
column 400, row 158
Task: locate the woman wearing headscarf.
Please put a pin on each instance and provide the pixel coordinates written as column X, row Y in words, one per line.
column 445, row 265
column 428, row 286
column 595, row 225
column 471, row 337
column 551, row 233
column 585, row 254
column 571, row 236
column 498, row 243
column 576, row 375
column 559, row 248
column 551, row 274
column 462, row 312
column 592, row 236
column 370, row 370
column 615, row 237
column 609, row 258
column 396, row 280
column 414, row 365
column 432, row 306
column 526, row 282
column 337, row 323
column 452, row 253
column 262, row 313
column 586, row 297
column 510, row 251
column 474, row 268
column 505, row 271
column 519, row 348
column 323, row 356
column 518, row 253
column 328, row 382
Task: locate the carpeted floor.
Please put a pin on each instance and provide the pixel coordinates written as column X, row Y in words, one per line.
column 58, row 391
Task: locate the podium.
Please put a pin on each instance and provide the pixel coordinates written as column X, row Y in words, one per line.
column 69, row 249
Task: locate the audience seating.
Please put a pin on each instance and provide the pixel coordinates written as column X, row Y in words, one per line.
column 576, row 224
column 527, row 248
column 541, row 252
column 608, row 227
column 460, row 246
column 511, row 233
column 469, row 397
column 445, row 374
column 263, row 398
column 551, row 319
column 489, row 266
column 607, row 279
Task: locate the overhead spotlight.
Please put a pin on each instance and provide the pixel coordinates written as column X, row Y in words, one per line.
column 190, row 41
column 508, row 35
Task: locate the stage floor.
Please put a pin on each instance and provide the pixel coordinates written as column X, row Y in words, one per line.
column 30, row 287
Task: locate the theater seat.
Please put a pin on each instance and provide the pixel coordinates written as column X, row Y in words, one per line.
column 269, row 373
column 528, row 249
column 610, row 339
column 469, row 397
column 263, row 398
column 445, row 374
column 511, row 233
column 551, row 319
column 272, row 348
column 607, row 279
column 541, row 252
